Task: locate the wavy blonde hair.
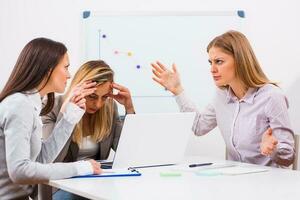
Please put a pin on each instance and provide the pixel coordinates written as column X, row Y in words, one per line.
column 99, row 123
column 247, row 67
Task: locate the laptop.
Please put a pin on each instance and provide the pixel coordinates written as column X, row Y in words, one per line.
column 149, row 140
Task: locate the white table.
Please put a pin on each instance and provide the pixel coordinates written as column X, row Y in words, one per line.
column 275, row 184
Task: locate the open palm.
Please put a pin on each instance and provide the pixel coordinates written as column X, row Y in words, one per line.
column 167, row 78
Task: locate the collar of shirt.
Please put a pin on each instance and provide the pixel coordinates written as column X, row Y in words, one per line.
column 36, row 99
column 248, row 98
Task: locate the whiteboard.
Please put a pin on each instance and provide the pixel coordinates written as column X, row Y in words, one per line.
column 129, row 42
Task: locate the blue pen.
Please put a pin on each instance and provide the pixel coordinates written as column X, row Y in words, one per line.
column 200, row 164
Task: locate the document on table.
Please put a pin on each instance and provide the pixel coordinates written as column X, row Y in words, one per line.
column 186, row 168
column 220, row 169
column 238, row 170
column 234, row 170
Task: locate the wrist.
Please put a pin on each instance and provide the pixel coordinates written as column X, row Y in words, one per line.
column 84, row 168
column 177, row 90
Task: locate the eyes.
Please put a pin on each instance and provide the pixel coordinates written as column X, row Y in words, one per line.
column 96, row 97
column 104, row 97
column 67, row 67
column 93, row 96
column 216, row 61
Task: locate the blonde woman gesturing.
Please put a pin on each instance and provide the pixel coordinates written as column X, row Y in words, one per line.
column 250, row 111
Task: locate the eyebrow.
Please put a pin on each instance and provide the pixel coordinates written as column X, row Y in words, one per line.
column 99, row 95
column 105, row 94
column 218, row 58
column 214, row 59
column 94, row 94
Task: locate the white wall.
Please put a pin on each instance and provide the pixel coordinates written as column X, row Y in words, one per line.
column 272, row 27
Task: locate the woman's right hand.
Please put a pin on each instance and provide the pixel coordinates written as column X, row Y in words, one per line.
column 167, row 78
column 96, row 166
column 79, row 92
column 268, row 143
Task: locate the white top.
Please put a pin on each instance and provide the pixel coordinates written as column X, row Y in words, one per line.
column 88, row 148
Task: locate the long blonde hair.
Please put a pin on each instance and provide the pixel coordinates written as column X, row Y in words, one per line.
column 247, row 67
column 99, row 123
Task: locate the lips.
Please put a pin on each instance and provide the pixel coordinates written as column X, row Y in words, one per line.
column 93, row 110
column 216, row 78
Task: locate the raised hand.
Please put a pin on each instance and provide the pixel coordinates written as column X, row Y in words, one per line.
column 78, row 93
column 123, row 97
column 268, row 143
column 167, row 78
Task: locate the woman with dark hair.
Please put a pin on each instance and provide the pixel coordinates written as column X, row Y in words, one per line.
column 41, row 69
column 249, row 109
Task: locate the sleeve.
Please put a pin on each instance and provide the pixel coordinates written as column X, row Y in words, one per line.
column 20, row 141
column 49, row 120
column 118, row 125
column 277, row 113
column 204, row 121
column 61, row 132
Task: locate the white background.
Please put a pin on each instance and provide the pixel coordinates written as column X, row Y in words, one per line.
column 271, row 26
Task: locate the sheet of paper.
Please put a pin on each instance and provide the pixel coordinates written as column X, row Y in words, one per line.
column 235, row 170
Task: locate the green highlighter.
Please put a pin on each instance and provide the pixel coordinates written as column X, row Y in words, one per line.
column 169, row 174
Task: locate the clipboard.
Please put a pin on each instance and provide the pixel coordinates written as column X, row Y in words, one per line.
column 112, row 173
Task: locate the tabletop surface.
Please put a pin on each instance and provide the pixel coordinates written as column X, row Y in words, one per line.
column 176, row 183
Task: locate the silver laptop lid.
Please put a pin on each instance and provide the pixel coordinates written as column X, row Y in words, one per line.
column 153, row 139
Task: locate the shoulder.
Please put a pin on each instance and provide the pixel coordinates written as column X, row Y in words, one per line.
column 270, row 91
column 16, row 97
column 272, row 94
column 17, row 106
column 17, row 101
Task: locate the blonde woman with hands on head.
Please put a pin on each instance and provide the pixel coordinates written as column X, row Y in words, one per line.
column 26, row 159
column 250, row 111
column 99, row 129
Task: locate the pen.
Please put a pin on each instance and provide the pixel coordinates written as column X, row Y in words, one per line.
column 148, row 166
column 199, row 165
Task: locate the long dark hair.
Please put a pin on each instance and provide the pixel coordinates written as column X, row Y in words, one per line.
column 35, row 63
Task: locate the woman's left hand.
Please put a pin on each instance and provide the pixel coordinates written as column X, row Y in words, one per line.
column 123, row 97
column 268, row 143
